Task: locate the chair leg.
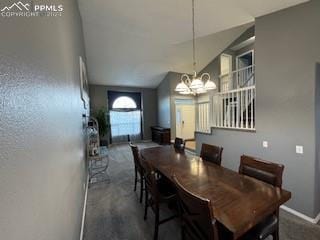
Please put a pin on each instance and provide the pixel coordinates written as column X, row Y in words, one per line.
column 275, row 235
column 183, row 236
column 141, row 188
column 146, row 205
column 156, row 224
column 135, row 179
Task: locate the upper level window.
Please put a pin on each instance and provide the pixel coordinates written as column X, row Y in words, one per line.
column 124, row 103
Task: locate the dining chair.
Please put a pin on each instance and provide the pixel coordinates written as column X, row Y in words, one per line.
column 179, row 144
column 270, row 173
column 158, row 191
column 197, row 218
column 138, row 169
column 211, row 153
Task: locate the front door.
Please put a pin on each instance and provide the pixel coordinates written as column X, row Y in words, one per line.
column 185, row 121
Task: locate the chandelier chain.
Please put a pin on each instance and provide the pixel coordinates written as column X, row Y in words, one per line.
column 193, row 39
column 196, row 85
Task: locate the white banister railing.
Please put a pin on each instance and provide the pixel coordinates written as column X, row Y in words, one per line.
column 234, row 109
column 243, row 77
column 203, row 117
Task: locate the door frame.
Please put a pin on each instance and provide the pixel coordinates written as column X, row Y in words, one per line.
column 229, row 56
column 222, row 75
column 182, row 101
column 242, row 54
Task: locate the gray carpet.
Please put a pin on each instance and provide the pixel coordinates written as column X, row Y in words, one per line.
column 114, row 212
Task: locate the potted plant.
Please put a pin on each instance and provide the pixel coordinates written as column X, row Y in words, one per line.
column 102, row 116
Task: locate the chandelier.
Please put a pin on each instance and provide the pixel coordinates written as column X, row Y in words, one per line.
column 195, row 85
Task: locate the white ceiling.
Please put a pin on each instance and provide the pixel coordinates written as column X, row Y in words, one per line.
column 136, row 42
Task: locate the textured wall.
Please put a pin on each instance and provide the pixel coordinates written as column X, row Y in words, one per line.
column 163, row 94
column 99, row 99
column 317, row 119
column 42, row 166
column 287, row 49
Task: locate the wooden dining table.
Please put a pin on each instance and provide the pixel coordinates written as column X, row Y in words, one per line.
column 239, row 202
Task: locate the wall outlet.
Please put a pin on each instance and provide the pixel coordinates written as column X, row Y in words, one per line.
column 265, row 144
column 299, row 149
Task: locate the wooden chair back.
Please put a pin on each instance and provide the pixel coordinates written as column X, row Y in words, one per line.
column 136, row 157
column 179, row 144
column 151, row 181
column 196, row 214
column 211, row 153
column 262, row 170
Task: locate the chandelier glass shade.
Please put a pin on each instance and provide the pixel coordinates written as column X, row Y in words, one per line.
column 196, row 85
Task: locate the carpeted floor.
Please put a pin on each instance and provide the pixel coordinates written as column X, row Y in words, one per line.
column 114, row 212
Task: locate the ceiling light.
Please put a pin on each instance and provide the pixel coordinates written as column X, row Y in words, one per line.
column 181, row 87
column 196, row 85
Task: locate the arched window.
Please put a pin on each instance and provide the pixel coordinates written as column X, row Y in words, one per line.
column 125, row 116
column 124, row 103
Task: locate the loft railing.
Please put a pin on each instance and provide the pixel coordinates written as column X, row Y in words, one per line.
column 234, row 109
column 240, row 78
column 203, row 117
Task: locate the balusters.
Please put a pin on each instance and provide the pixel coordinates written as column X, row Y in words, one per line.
column 203, row 118
column 218, row 107
column 246, row 106
column 209, row 116
column 231, row 109
column 238, row 108
column 241, row 109
column 252, row 107
column 201, row 124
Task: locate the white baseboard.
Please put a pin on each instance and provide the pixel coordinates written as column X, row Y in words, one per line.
column 301, row 215
column 84, row 209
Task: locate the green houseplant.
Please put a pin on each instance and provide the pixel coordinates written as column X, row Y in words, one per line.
column 102, row 116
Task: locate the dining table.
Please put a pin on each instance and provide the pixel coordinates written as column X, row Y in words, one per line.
column 239, row 202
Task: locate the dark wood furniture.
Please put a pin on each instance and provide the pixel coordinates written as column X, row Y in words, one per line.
column 211, row 153
column 263, row 170
column 196, row 213
column 138, row 170
column 179, row 144
column 238, row 202
column 270, row 173
column 158, row 191
column 161, row 135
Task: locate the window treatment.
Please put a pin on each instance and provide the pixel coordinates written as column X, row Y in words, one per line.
column 124, row 124
column 125, row 117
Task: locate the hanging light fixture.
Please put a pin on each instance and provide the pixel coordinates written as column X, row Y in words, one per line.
column 195, row 85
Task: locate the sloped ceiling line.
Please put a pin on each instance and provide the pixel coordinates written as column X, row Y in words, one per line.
column 136, row 42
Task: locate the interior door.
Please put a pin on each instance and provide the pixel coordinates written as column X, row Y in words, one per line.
column 185, row 121
column 225, row 70
column 243, row 61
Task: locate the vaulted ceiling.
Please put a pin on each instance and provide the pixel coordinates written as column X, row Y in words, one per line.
column 136, row 42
